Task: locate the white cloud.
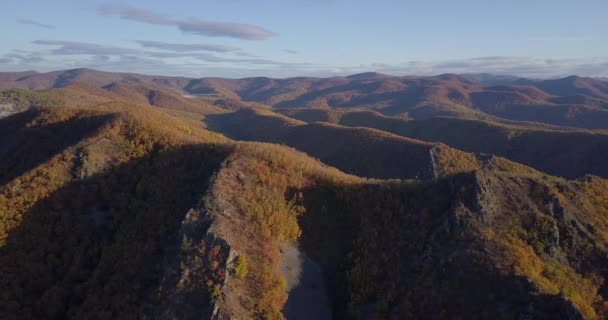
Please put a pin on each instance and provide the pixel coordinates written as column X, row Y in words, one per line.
column 83, row 48
column 35, row 23
column 194, row 26
column 80, row 54
column 503, row 65
column 184, row 47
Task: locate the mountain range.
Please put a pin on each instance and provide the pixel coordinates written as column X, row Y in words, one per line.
column 370, row 196
column 571, row 101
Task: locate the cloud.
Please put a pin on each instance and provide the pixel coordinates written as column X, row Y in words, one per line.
column 139, row 64
column 17, row 57
column 183, row 47
column 114, row 63
column 224, row 29
column 92, row 49
column 207, row 57
column 502, row 65
column 70, row 54
column 134, row 14
column 35, row 23
column 83, row 48
column 194, row 26
column 151, row 65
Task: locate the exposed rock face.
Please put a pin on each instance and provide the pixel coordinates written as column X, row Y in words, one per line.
column 481, row 200
column 489, row 243
column 195, row 271
column 544, row 216
column 6, row 109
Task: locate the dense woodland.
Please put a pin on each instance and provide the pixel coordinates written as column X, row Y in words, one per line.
column 115, row 205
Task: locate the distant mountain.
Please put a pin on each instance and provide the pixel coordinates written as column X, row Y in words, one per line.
column 570, row 86
column 162, row 97
column 571, row 101
column 583, row 103
column 58, row 79
column 368, row 75
column 491, row 79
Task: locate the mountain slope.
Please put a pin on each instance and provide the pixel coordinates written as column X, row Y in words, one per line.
column 59, row 79
column 113, row 207
column 557, row 151
column 74, row 208
column 125, row 220
column 361, row 151
column 482, row 243
column 161, row 97
column 571, row 86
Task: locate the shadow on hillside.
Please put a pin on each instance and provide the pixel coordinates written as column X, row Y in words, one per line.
column 24, row 147
column 246, row 124
column 579, row 116
column 96, row 247
column 358, row 151
column 220, row 123
column 399, row 251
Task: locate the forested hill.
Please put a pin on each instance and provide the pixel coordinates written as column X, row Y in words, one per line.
column 128, row 197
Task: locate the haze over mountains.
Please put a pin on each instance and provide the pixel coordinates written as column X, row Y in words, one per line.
column 368, row 196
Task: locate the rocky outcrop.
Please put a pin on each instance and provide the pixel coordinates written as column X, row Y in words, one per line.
column 6, row 109
column 195, row 271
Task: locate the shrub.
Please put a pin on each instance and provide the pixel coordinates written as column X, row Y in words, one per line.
column 241, row 267
column 215, row 293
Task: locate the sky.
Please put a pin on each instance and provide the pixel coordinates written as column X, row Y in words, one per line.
column 287, row 38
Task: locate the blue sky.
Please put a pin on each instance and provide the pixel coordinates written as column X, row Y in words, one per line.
column 239, row 38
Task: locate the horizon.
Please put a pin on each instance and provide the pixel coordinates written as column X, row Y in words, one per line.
column 237, row 39
column 602, row 78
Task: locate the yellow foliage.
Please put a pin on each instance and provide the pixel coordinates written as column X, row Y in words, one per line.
column 241, row 267
column 553, row 277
